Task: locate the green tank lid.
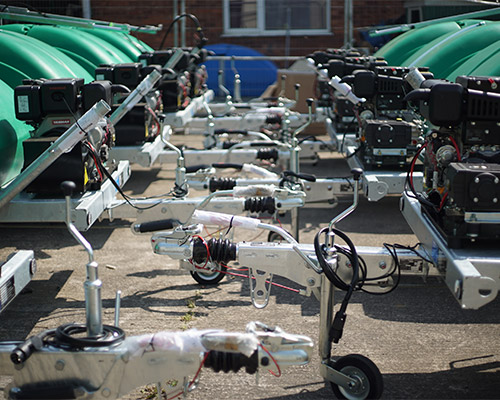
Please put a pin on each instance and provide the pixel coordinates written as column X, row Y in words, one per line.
column 12, row 134
column 23, row 56
column 446, row 54
column 87, row 50
column 407, row 44
column 127, row 43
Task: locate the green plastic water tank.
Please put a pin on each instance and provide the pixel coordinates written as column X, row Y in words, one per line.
column 446, row 54
column 24, row 57
column 87, row 50
column 485, row 62
column 128, row 44
column 12, row 134
column 407, row 44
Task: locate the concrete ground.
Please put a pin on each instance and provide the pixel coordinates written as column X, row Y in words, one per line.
column 425, row 346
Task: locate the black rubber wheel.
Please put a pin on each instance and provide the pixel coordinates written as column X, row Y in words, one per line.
column 369, row 381
column 208, row 277
column 274, row 237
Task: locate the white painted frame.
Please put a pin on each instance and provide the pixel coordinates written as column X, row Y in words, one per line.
column 260, row 29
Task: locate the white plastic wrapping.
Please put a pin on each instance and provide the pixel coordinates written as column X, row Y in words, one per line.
column 346, row 90
column 245, row 343
column 179, row 342
column 212, row 218
column 192, row 341
column 255, row 169
column 254, row 190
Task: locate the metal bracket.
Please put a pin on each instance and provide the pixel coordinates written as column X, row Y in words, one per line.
column 261, row 289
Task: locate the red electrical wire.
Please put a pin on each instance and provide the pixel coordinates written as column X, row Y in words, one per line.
column 412, row 166
column 195, row 377
column 441, row 204
column 453, row 141
column 92, row 154
column 275, row 362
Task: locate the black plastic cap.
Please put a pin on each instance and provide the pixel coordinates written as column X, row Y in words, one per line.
column 68, row 187
column 356, row 173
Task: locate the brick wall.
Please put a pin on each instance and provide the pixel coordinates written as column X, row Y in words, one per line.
column 210, row 14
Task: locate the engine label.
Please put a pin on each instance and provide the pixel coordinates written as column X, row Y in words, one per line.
column 23, row 104
column 61, row 122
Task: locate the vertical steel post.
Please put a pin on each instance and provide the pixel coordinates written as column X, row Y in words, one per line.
column 176, row 30
column 348, row 24
column 183, row 24
column 86, row 10
column 326, row 308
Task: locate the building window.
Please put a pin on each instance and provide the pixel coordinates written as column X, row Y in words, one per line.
column 276, row 17
column 414, row 14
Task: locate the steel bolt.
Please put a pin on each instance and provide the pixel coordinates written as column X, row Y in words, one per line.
column 311, row 281
column 33, row 267
column 382, row 265
column 59, row 365
column 106, row 392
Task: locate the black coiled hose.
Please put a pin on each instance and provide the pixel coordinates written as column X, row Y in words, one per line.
column 221, row 184
column 230, row 143
column 227, row 362
column 268, row 154
column 220, row 250
column 67, row 337
column 260, row 204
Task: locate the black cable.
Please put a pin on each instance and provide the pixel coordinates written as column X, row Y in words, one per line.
column 361, row 146
column 337, row 326
column 103, row 169
column 68, row 335
column 413, row 249
column 414, row 194
column 327, row 269
column 199, row 30
column 345, row 133
column 127, row 198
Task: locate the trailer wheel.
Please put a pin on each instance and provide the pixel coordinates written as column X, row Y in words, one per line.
column 209, row 277
column 274, row 237
column 366, row 375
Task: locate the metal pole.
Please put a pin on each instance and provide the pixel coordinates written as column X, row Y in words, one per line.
column 86, row 10
column 135, row 96
column 183, row 24
column 348, row 24
column 351, row 23
column 93, row 303
column 287, row 37
column 176, row 28
column 327, row 303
